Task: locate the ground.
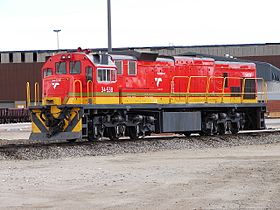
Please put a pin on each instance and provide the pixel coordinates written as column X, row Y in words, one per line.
column 240, row 177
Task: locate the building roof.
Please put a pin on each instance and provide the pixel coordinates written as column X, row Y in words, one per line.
column 152, row 48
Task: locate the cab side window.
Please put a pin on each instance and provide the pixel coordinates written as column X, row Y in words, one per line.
column 47, row 72
column 60, row 68
column 132, row 68
column 106, row 75
column 119, row 65
column 89, row 73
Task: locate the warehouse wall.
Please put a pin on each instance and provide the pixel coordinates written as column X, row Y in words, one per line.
column 265, row 51
column 13, row 78
column 24, row 57
column 222, row 50
column 20, row 66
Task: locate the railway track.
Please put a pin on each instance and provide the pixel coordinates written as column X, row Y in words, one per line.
column 25, row 149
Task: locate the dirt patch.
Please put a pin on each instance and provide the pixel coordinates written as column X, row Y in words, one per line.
column 240, row 177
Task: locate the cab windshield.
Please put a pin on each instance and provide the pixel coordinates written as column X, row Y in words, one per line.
column 60, row 68
column 75, row 67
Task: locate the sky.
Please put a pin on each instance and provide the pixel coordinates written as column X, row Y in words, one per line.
column 29, row 24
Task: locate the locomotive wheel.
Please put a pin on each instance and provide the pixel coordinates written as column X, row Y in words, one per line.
column 221, row 128
column 203, row 133
column 112, row 134
column 234, row 128
column 95, row 133
column 133, row 134
column 93, row 138
column 187, row 133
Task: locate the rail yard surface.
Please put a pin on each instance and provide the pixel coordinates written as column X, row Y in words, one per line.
column 218, row 172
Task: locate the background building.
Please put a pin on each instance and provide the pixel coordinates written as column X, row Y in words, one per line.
column 18, row 67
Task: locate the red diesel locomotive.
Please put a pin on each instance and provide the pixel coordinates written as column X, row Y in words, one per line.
column 94, row 95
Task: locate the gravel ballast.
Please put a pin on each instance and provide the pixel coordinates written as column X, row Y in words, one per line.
column 25, row 150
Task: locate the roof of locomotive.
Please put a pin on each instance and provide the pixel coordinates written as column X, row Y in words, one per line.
column 150, row 56
column 97, row 58
column 144, row 56
column 264, row 70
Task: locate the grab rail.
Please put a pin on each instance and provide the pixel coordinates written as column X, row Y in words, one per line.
column 262, row 93
column 223, row 87
column 81, row 89
column 242, row 93
column 172, row 87
column 89, row 96
column 266, row 95
column 36, row 93
column 189, row 84
column 27, row 94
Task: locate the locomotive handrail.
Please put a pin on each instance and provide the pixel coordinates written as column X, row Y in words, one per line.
column 188, row 86
column 266, row 95
column 172, row 87
column 37, row 93
column 208, row 87
column 241, row 94
column 243, row 88
column 188, row 89
column 263, row 93
column 81, row 89
column 237, row 78
column 89, row 96
column 27, row 94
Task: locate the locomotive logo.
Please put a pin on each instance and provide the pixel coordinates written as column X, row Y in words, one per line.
column 55, row 84
column 158, row 81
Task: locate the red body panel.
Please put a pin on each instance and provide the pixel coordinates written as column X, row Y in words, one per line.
column 151, row 77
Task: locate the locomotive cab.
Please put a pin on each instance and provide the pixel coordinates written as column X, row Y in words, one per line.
column 68, row 81
column 69, row 78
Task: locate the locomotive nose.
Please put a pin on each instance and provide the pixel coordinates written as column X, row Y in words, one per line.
column 55, row 90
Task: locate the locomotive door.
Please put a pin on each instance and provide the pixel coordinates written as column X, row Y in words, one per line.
column 250, row 89
column 234, row 87
column 90, row 85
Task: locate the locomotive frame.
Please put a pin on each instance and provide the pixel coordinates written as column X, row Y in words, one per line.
column 159, row 94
